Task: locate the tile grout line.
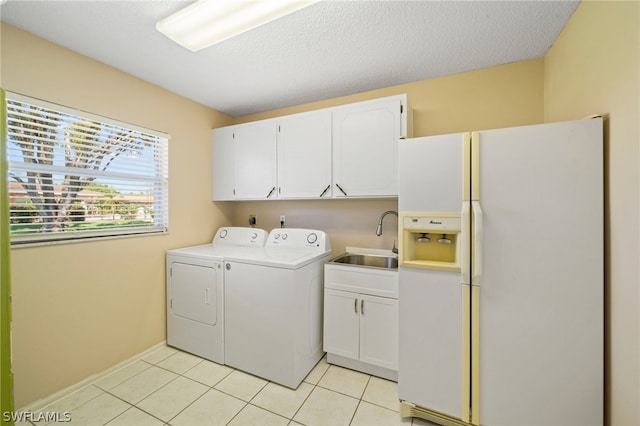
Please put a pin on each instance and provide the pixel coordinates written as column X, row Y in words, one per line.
column 315, row 385
column 360, row 400
column 108, row 391
column 209, row 388
column 119, row 383
column 136, row 404
column 168, row 422
column 246, row 403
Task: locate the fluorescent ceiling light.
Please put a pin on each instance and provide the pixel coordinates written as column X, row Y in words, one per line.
column 207, row 22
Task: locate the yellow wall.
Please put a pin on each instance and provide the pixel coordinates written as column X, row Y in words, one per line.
column 594, row 67
column 88, row 306
column 503, row 96
column 507, row 95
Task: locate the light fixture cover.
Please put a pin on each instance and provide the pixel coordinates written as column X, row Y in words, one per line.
column 207, row 22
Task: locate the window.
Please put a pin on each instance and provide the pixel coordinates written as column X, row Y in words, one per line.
column 74, row 175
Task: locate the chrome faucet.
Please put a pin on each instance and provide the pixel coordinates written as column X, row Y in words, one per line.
column 379, row 229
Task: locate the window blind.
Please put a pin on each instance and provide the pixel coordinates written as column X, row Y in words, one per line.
column 76, row 175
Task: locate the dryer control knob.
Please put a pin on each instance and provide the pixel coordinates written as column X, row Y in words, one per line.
column 228, row 266
column 284, row 236
column 312, row 238
column 276, row 236
column 254, row 236
column 223, row 233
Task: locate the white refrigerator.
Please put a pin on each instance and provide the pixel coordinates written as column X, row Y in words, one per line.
column 501, row 276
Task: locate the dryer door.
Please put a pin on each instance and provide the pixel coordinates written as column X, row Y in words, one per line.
column 194, row 292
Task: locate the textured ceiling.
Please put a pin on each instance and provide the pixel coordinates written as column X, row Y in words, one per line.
column 329, row 49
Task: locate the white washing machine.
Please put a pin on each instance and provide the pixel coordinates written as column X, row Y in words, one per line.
column 195, row 291
column 273, row 306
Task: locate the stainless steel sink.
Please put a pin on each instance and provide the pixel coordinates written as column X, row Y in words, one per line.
column 368, row 260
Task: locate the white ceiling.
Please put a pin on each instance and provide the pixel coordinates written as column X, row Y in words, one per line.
column 330, row 49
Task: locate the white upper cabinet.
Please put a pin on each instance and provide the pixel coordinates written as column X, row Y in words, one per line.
column 344, row 151
column 255, row 161
column 365, row 147
column 304, row 155
column 222, row 174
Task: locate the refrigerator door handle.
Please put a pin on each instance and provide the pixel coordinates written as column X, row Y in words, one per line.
column 476, row 245
column 466, row 243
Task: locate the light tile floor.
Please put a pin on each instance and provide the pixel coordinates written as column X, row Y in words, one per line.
column 171, row 387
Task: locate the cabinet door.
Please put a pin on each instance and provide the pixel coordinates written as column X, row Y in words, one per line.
column 379, row 331
column 365, row 147
column 304, row 155
column 222, row 176
column 255, row 160
column 341, row 323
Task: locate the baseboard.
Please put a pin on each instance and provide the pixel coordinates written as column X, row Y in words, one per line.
column 45, row 402
column 352, row 364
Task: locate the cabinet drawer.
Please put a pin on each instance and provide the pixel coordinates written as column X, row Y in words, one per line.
column 376, row 282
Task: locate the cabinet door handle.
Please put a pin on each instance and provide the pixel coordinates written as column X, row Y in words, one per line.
column 271, row 192
column 362, row 307
column 325, row 191
column 341, row 190
column 355, row 305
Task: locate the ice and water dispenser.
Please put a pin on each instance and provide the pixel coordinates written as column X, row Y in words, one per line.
column 430, row 241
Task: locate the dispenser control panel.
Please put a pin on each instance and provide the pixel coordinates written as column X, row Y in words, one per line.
column 431, row 223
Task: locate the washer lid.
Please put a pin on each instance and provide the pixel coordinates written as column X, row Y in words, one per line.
column 278, row 257
column 205, row 251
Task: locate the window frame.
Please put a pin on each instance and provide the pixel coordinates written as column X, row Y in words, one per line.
column 159, row 178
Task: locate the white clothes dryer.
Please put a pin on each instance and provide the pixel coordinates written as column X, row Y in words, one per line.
column 273, row 306
column 195, row 291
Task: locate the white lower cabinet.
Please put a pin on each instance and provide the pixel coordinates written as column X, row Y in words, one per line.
column 379, row 331
column 361, row 327
column 341, row 323
column 361, row 324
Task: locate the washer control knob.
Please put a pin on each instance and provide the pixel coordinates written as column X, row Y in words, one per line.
column 312, row 238
column 276, row 236
column 284, row 236
column 254, row 235
column 223, row 233
column 228, row 266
